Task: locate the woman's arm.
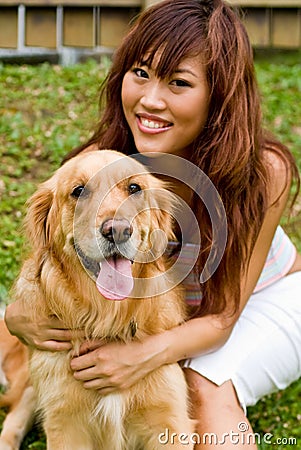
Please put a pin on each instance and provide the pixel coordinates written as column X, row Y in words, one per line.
column 46, row 334
column 117, row 366
column 278, row 193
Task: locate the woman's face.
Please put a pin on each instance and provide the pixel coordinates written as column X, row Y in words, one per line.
column 166, row 115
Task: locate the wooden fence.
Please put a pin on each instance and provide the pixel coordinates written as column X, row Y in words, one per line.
column 58, row 27
column 272, row 23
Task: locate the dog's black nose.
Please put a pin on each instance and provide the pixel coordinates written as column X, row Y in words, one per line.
column 116, row 230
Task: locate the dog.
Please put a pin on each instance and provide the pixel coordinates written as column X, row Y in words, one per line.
column 17, row 393
column 98, row 264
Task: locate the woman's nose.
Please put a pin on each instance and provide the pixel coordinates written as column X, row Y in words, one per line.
column 153, row 97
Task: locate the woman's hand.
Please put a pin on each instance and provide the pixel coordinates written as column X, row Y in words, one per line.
column 45, row 334
column 116, row 366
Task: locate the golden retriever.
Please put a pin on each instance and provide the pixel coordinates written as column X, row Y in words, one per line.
column 18, row 395
column 96, row 231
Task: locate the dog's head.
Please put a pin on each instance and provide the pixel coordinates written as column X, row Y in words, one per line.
column 107, row 210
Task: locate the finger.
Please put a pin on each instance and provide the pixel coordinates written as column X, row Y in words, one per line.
column 53, row 346
column 83, row 362
column 54, row 323
column 87, row 374
column 100, row 385
column 59, row 335
column 88, row 346
column 62, row 335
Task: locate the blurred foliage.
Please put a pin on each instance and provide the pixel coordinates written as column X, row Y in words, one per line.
column 45, row 111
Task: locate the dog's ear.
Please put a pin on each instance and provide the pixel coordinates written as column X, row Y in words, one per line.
column 164, row 203
column 167, row 203
column 36, row 221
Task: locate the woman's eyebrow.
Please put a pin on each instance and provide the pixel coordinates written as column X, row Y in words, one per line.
column 177, row 71
column 185, row 70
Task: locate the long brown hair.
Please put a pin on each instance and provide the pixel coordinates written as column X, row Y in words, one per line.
column 230, row 149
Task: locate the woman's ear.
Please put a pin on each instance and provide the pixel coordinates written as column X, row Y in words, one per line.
column 36, row 221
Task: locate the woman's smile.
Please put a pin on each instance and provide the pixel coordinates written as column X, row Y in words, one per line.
column 148, row 123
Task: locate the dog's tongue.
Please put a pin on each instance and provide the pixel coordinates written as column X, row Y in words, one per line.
column 115, row 280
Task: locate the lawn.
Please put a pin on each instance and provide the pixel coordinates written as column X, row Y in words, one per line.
column 47, row 110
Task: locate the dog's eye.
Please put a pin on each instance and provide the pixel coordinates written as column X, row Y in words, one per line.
column 79, row 191
column 134, row 188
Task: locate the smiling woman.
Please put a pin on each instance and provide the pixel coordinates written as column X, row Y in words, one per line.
column 166, row 115
column 182, row 85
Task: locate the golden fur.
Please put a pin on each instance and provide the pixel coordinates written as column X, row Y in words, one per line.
column 18, row 395
column 54, row 281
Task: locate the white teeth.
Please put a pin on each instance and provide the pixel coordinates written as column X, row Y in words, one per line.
column 151, row 124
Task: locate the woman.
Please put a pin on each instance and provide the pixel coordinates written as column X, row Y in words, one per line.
column 182, row 83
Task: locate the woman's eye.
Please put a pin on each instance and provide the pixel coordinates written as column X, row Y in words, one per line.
column 79, row 191
column 134, row 188
column 180, row 83
column 140, row 73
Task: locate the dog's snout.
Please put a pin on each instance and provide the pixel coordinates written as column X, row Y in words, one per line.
column 116, row 230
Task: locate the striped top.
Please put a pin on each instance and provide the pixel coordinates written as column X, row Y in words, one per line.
column 280, row 259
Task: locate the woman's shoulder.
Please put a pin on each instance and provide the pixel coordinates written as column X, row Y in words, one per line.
column 90, row 148
column 279, row 175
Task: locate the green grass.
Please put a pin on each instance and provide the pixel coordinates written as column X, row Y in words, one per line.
column 47, row 110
